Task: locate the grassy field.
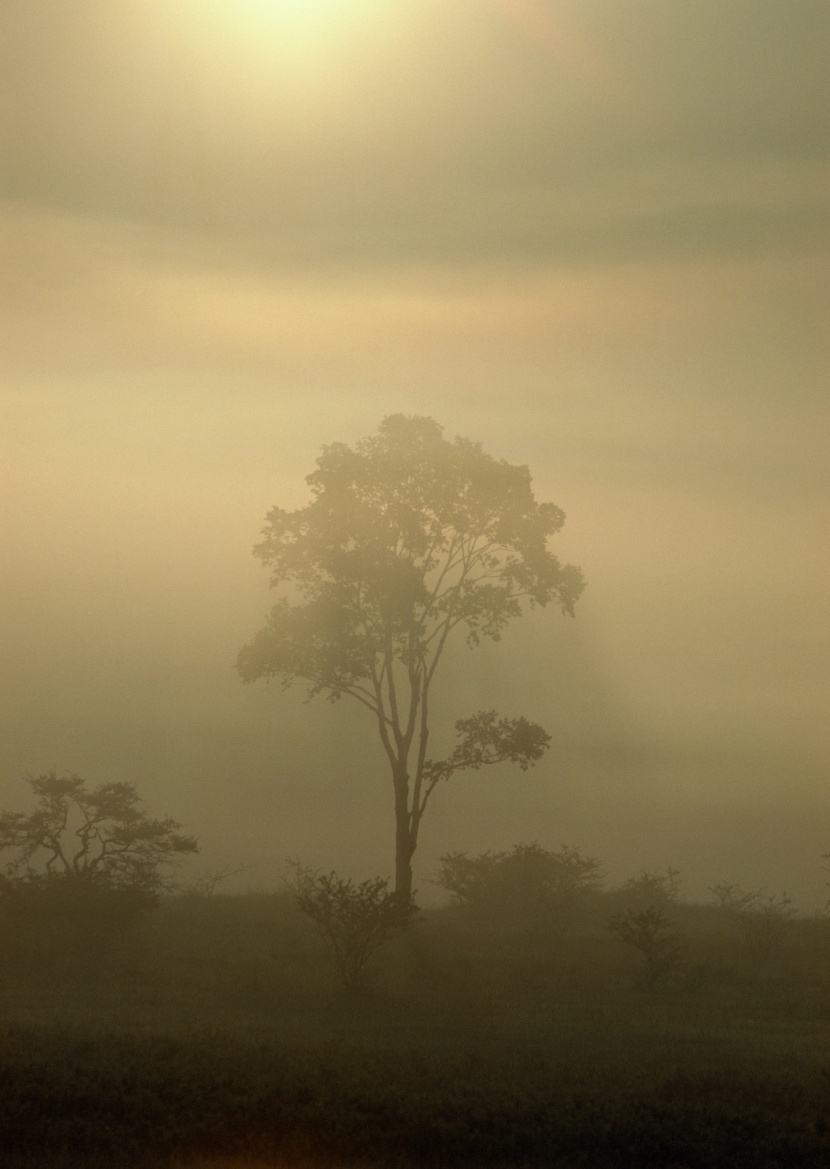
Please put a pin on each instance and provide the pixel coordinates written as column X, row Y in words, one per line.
column 212, row 1035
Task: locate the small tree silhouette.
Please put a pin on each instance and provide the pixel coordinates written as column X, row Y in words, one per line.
column 355, row 920
column 651, row 933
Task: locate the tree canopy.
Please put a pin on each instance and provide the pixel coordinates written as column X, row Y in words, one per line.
column 407, row 538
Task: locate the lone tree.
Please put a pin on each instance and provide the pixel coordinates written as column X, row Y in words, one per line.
column 408, row 538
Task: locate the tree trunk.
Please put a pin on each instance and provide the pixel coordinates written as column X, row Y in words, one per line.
column 404, row 847
column 403, row 878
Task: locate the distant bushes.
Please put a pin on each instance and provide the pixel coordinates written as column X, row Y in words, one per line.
column 560, row 925
column 765, row 920
column 528, row 884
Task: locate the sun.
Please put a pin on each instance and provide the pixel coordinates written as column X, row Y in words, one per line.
column 302, row 42
column 283, row 22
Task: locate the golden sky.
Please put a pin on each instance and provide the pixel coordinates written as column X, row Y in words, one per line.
column 592, row 235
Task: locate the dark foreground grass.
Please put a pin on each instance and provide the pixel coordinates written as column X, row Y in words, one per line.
column 69, row 1099
column 214, row 1037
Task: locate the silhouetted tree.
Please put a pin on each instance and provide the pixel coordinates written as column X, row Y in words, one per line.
column 408, row 538
column 85, row 861
column 99, row 834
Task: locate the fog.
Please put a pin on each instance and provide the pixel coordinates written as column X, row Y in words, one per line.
column 593, row 239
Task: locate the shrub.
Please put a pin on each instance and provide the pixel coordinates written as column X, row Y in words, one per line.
column 651, row 933
column 354, row 920
column 527, row 882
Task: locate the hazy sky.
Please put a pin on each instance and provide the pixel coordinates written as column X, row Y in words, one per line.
column 592, row 234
